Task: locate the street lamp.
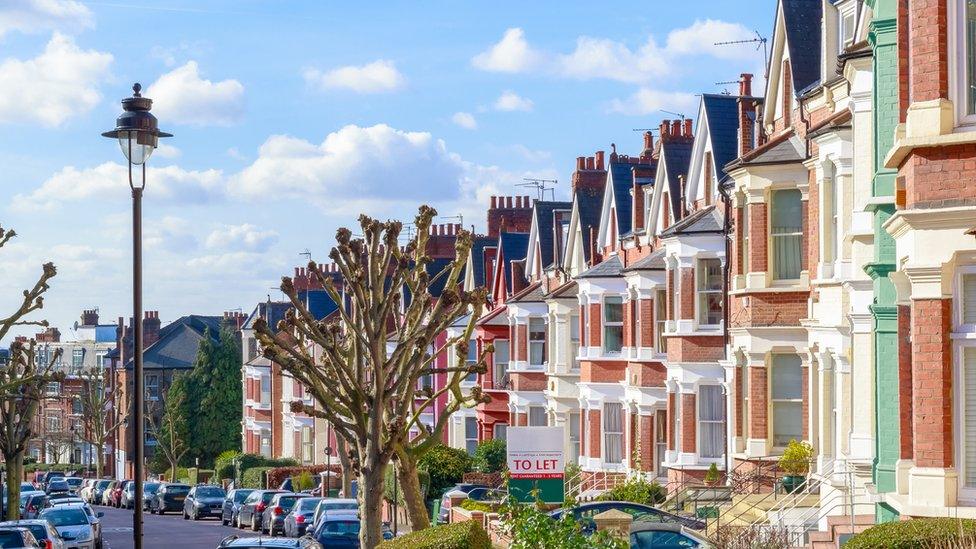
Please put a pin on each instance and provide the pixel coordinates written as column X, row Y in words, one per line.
column 138, row 134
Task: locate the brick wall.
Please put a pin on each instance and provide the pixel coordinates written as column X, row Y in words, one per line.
column 646, row 437
column 689, row 422
column 593, row 432
column 602, row 371
column 521, row 342
column 672, row 410
column 596, row 322
column 687, row 292
column 940, row 177
column 695, row 348
column 932, row 380
column 758, row 424
column 646, row 311
column 757, row 238
column 528, row 381
column 905, row 381
column 670, row 294
column 646, row 374
column 737, row 399
column 928, row 49
column 768, row 309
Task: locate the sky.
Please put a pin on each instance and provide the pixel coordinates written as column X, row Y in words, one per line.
column 290, row 118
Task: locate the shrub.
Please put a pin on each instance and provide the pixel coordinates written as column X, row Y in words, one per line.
column 473, row 505
column 422, row 475
column 530, row 528
column 934, row 533
column 490, row 456
column 302, row 481
column 459, row 535
column 277, row 474
column 712, row 476
column 636, row 490
column 224, row 464
column 446, row 466
column 254, row 477
column 796, row 458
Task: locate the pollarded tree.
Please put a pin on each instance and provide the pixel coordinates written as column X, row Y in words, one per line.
column 22, row 381
column 363, row 369
column 99, row 421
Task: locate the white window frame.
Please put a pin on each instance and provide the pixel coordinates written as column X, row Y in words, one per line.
column 53, row 388
column 701, row 422
column 771, row 238
column 152, row 389
column 635, row 317
column 536, row 342
column 262, row 446
column 261, row 392
column 575, row 442
column 744, row 241
column 53, row 423
column 772, row 402
column 604, row 324
column 660, row 321
column 470, row 439
column 660, row 442
column 607, row 433
column 308, row 445
column 499, row 427
column 494, row 365
column 700, row 293
column 574, row 342
column 963, row 339
column 537, row 410
column 958, row 66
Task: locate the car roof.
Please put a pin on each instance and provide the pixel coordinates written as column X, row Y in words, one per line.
column 261, row 541
column 22, row 521
column 651, row 526
column 339, row 500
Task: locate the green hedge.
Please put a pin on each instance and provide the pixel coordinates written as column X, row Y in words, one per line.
column 917, row 534
column 254, row 477
column 446, row 466
column 459, row 535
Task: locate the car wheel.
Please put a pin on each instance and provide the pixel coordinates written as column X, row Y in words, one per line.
column 184, row 515
column 196, row 515
column 254, row 524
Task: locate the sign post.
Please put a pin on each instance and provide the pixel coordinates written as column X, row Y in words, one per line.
column 536, row 462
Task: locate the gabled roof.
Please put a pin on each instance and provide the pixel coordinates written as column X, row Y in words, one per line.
column 178, row 343
column 318, row 302
column 513, row 247
column 785, row 150
column 608, row 268
column 677, row 157
column 433, row 268
column 588, row 204
column 477, row 258
column 802, row 20
column 568, row 289
column 722, row 113
column 653, row 262
column 532, row 294
column 705, row 220
column 544, row 220
column 272, row 311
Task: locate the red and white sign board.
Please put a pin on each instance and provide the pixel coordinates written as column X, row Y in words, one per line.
column 535, row 452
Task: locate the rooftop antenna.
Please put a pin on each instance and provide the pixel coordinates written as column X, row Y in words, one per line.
column 726, row 83
column 652, row 130
column 459, row 217
column 678, row 114
column 760, row 42
column 307, row 254
column 541, row 186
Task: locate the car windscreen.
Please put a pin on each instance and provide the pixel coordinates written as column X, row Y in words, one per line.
column 39, row 531
column 241, row 495
column 65, row 517
column 177, row 490
column 10, row 538
column 210, row 492
column 332, row 506
column 266, row 497
column 335, row 527
column 74, row 481
column 287, row 502
column 102, row 484
column 308, row 504
column 150, row 487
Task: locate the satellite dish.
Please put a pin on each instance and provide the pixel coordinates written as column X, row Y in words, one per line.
column 76, row 325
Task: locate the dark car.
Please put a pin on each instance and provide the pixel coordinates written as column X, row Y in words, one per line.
column 149, row 490
column 342, row 532
column 17, row 537
column 57, row 485
column 35, row 503
column 235, row 542
column 98, row 490
column 107, row 492
column 169, row 497
column 642, row 513
column 301, row 516
column 52, row 475
column 203, row 501
column 232, row 504
column 129, row 495
column 273, row 517
column 664, row 535
column 249, row 515
column 41, row 529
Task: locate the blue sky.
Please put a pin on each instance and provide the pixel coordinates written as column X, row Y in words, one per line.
column 292, row 117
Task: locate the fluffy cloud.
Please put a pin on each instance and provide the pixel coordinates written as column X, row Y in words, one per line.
column 181, row 96
column 166, row 151
column 59, row 83
column 510, row 101
column 612, row 60
column 32, row 16
column 376, row 77
column 647, row 101
column 105, row 181
column 245, row 237
column 465, row 120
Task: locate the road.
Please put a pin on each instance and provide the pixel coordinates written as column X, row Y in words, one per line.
column 162, row 532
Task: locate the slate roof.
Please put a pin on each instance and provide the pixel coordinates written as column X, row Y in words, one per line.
column 532, row 294
column 543, row 212
column 782, row 151
column 802, row 22
column 653, row 262
column 477, row 258
column 566, row 290
column 705, row 220
column 513, row 246
column 608, row 268
column 272, row 311
column 433, row 268
column 319, row 303
column 589, row 205
column 178, row 343
column 677, row 158
column 722, row 113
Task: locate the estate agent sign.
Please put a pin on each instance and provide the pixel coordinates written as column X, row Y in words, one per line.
column 536, row 462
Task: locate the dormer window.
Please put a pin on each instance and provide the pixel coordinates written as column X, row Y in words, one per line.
column 845, row 32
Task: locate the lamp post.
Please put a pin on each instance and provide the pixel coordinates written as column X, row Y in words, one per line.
column 138, row 134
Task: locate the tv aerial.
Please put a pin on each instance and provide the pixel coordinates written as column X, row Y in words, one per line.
column 678, row 114
column 760, row 42
column 541, row 186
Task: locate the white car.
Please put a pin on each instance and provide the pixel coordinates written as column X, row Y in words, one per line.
column 76, row 523
column 42, row 531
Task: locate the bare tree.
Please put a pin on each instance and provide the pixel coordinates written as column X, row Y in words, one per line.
column 22, row 382
column 363, row 368
column 99, row 421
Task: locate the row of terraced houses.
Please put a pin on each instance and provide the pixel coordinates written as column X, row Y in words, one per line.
column 795, row 262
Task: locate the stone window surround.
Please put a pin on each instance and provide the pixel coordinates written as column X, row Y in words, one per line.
column 963, row 338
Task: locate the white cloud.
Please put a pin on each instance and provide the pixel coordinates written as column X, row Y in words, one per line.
column 648, row 101
column 511, row 54
column 701, row 37
column 532, row 155
column 33, row 16
column 181, row 96
column 166, row 151
column 603, row 58
column 108, row 180
column 511, row 101
column 244, row 237
column 59, row 83
column 378, row 76
column 465, row 120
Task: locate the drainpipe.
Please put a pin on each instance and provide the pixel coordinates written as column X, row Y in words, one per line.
column 727, row 271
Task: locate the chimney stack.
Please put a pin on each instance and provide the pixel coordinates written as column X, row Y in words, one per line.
column 745, row 84
column 675, row 128
column 50, row 335
column 664, row 130
column 599, row 160
column 150, row 328
column 89, row 317
column 580, row 163
column 648, row 141
column 688, row 132
column 494, row 202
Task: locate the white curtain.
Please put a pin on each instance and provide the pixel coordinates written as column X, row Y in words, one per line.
column 613, row 432
column 711, row 419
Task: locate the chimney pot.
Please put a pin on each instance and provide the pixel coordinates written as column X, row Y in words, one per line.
column 494, row 202
column 508, row 201
column 526, row 201
column 599, row 160
column 688, row 127
column 745, row 84
column 580, row 163
column 589, row 163
column 664, row 129
column 676, row 127
column 648, row 140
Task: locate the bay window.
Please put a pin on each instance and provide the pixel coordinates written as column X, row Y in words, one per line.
column 744, row 238
column 500, row 365
column 500, row 431
column 470, row 434
column 152, row 387
column 307, row 444
column 711, row 421
column 969, row 28
column 537, row 341
column 787, row 398
column 266, row 446
column 574, row 341
column 660, row 320
column 613, row 324
column 613, row 432
column 472, row 360
column 661, row 441
column 265, row 389
column 709, row 292
column 574, row 437
column 537, row 416
column 786, row 233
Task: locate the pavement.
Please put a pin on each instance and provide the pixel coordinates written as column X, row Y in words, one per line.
column 162, row 532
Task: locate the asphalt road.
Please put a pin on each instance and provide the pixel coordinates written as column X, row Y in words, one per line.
column 162, row 532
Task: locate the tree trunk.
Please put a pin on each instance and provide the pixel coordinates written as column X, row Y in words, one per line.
column 99, row 460
column 370, row 495
column 413, row 497
column 15, row 474
column 347, row 472
column 172, row 471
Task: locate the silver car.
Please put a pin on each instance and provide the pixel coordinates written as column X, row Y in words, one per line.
column 332, row 504
column 42, row 531
column 77, row 524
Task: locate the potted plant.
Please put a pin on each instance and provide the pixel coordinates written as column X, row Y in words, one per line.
column 795, row 463
column 712, row 477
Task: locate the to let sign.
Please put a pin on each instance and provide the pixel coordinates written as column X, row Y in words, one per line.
column 536, row 463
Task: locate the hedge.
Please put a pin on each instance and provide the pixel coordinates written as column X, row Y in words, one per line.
column 446, row 466
column 916, row 534
column 459, row 535
column 277, row 475
column 254, row 477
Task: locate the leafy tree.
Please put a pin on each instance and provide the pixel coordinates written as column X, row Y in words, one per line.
column 491, row 456
column 446, row 466
column 363, row 368
column 172, row 431
column 22, row 381
column 220, row 407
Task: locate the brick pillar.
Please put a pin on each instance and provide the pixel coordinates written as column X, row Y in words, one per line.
column 594, row 432
column 809, row 243
column 595, row 323
column 646, row 335
column 737, row 399
column 646, row 434
column 670, row 294
column 928, row 50
column 672, row 410
column 932, row 382
column 687, row 290
column 905, row 381
column 521, row 342
column 736, row 259
column 758, row 425
column 758, row 259
column 628, row 310
column 689, row 423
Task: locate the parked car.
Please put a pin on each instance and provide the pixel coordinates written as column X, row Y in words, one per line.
column 249, row 514
column 25, row 497
column 63, row 501
column 17, row 537
column 235, row 542
column 329, row 505
column 115, row 496
column 300, row 517
column 42, row 531
column 52, row 475
column 232, row 505
column 169, row 497
column 664, row 535
column 203, row 501
column 74, row 484
column 107, row 492
column 77, row 524
column 86, row 487
column 465, row 487
column 57, row 485
column 29, row 487
column 341, row 531
column 149, row 490
column 585, row 512
column 34, row 505
column 273, row 517
column 128, row 495
column 98, row 490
